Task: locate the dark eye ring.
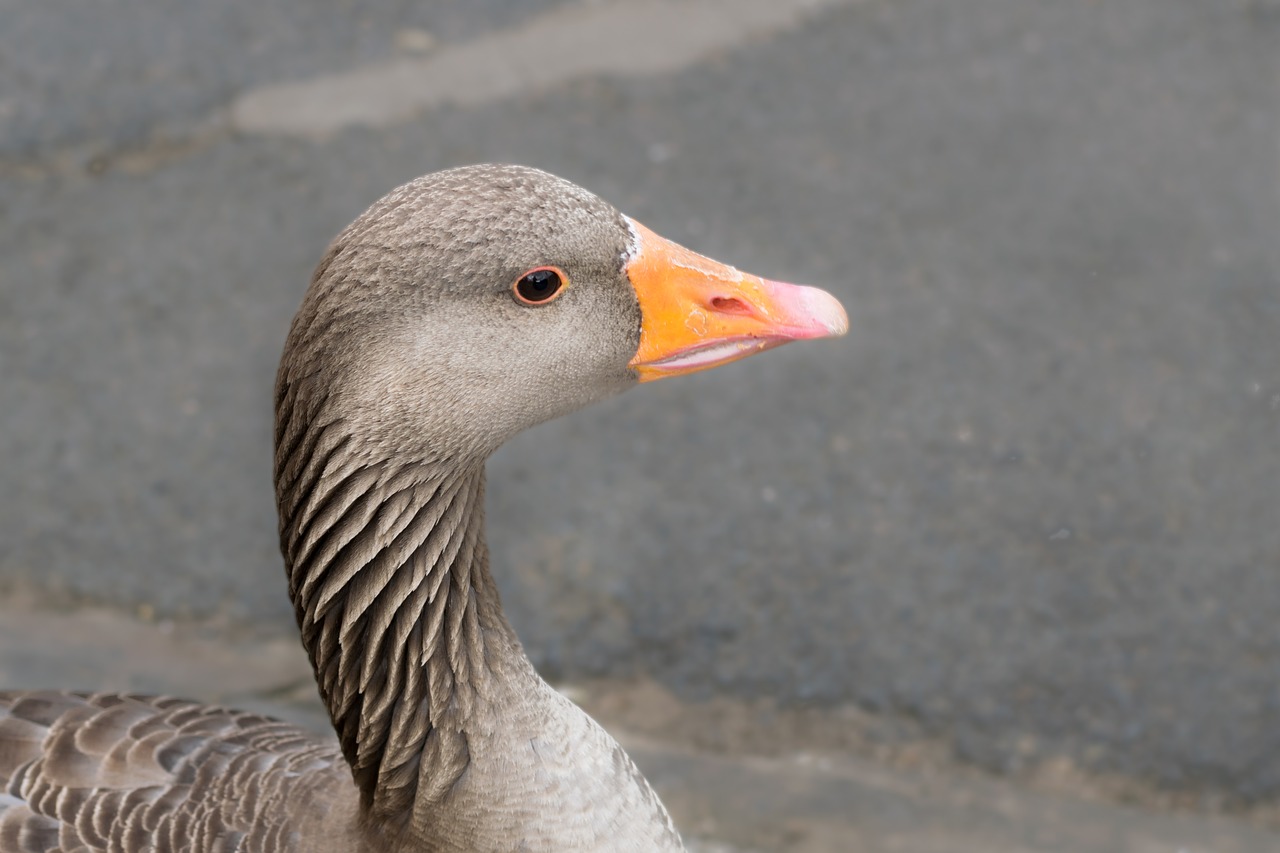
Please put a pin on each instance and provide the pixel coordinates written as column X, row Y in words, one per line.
column 540, row 285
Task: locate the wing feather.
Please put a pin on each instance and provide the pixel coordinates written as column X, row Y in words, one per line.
column 96, row 772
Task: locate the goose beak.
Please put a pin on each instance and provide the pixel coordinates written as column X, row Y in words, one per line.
column 697, row 313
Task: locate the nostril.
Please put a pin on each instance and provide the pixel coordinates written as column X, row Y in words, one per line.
column 729, row 305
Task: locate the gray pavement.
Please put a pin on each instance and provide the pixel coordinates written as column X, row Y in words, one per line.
column 1027, row 509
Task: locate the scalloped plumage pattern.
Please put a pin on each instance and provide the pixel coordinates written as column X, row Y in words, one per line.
column 109, row 772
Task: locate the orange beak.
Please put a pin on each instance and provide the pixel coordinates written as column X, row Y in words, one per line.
column 697, row 313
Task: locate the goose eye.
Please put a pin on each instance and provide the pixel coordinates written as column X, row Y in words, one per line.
column 539, row 286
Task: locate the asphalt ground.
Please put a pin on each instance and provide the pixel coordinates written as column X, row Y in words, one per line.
column 1026, row 509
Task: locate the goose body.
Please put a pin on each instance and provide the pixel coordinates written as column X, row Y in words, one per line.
column 458, row 310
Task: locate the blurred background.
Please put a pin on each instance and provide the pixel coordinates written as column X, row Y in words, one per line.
column 998, row 571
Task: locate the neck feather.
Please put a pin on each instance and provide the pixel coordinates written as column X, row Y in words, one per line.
column 388, row 573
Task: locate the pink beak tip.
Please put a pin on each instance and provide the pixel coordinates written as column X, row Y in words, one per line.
column 817, row 311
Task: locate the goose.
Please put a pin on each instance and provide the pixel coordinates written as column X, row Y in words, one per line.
column 458, row 310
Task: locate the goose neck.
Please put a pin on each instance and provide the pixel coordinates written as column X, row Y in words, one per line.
column 389, row 576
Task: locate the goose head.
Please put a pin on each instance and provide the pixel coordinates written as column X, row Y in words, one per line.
column 457, row 311
column 473, row 303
